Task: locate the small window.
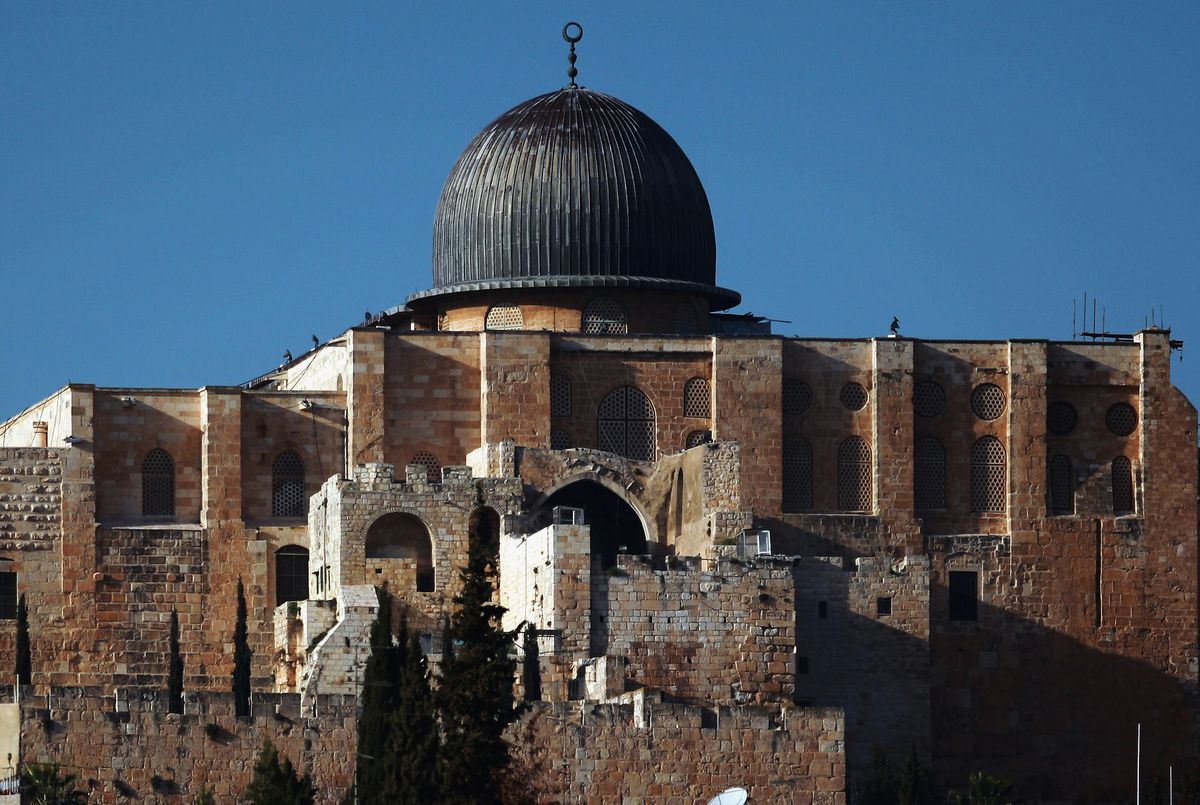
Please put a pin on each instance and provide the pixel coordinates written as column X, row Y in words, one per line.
column 854, row 476
column 1062, row 486
column 822, row 609
column 797, row 396
column 696, row 397
column 625, row 424
column 883, row 605
column 604, row 315
column 928, row 399
column 797, row 475
column 987, row 401
column 287, row 486
column 504, row 317
column 929, row 474
column 291, row 574
column 1061, row 418
column 560, row 396
column 964, row 595
column 1122, row 485
column 432, row 467
column 158, row 484
column 988, row 476
column 1121, row 419
column 854, row 396
column 8, row 595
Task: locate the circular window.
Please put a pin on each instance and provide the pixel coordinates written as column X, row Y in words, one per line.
column 1061, row 418
column 928, row 399
column 987, row 401
column 1121, row 419
column 854, row 396
column 797, row 396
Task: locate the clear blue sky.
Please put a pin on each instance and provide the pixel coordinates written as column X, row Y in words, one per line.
column 188, row 189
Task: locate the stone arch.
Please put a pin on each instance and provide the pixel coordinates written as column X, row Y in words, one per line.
column 617, row 524
column 400, row 535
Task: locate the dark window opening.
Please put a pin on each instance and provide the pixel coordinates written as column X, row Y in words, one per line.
column 883, row 605
column 964, row 595
column 801, row 665
column 8, row 596
column 822, row 609
column 291, row 574
column 287, row 486
column 158, row 484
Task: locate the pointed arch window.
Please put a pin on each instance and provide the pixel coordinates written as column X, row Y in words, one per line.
column 1062, row 486
column 696, row 397
column 989, row 476
column 797, row 475
column 625, row 424
column 158, row 484
column 929, row 474
column 287, row 486
column 1122, row 485
column 854, row 476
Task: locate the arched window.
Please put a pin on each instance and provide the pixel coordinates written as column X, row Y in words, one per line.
column 504, row 317
column 603, row 314
column 560, row 396
column 797, row 396
column 158, row 484
column 797, row 475
column 433, row 468
column 988, row 476
column 403, row 536
column 625, row 424
column 1122, row 485
column 287, row 486
column 291, row 574
column 686, row 320
column 929, row 474
column 854, row 476
column 1062, row 486
column 696, row 397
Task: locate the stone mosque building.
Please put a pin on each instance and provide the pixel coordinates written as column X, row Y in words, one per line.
column 750, row 560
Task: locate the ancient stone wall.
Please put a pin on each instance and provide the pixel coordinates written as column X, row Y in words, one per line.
column 515, row 370
column 670, row 753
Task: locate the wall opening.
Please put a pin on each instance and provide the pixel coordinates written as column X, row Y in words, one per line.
column 291, row 574
column 403, row 536
column 616, row 527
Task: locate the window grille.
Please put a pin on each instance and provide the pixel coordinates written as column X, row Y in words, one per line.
column 964, row 595
column 604, row 315
column 1061, row 418
column 686, row 320
column 625, row 424
column 158, row 484
column 560, row 396
column 928, row 399
column 929, row 474
column 797, row 476
column 696, row 397
column 287, row 486
column 432, row 467
column 504, row 317
column 988, row 476
column 560, row 440
column 854, row 476
column 1121, row 419
column 291, row 574
column 1062, row 486
column 8, row 595
column 987, row 401
column 696, row 438
column 797, row 396
column 854, row 396
column 1122, row 485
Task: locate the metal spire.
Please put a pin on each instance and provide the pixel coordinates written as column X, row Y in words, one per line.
column 572, row 32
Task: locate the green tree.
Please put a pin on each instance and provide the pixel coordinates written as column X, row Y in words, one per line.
column 175, row 669
column 379, row 701
column 276, row 783
column 24, row 654
column 45, row 784
column 475, row 687
column 879, row 785
column 205, row 796
column 531, row 666
column 983, row 789
column 413, row 743
column 916, row 782
column 241, row 657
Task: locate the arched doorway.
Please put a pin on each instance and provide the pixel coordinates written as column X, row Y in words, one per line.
column 616, row 526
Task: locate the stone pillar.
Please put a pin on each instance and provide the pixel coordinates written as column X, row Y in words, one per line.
column 748, row 384
column 514, row 388
column 892, row 431
column 1026, row 446
column 41, row 434
column 365, row 403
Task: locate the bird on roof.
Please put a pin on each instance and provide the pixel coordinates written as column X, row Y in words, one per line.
column 287, row 356
column 316, row 342
column 895, row 326
column 367, row 317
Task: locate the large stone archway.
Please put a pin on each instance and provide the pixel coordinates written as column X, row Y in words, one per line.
column 616, row 525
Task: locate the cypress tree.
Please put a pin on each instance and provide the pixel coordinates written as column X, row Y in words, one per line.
column 276, row 783
column 531, row 666
column 175, row 669
column 379, row 695
column 241, row 658
column 475, row 687
column 413, row 741
column 24, row 654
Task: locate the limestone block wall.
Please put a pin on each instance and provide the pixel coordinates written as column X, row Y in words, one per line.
column 337, row 662
column 674, row 753
column 136, row 746
column 515, row 388
column 532, row 577
column 326, row 369
column 299, row 626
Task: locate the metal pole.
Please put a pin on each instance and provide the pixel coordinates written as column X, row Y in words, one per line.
column 1171, row 785
column 1138, row 798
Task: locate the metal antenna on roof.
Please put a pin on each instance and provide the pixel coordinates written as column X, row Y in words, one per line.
column 572, row 32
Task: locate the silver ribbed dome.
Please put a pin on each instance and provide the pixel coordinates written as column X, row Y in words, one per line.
column 574, row 189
